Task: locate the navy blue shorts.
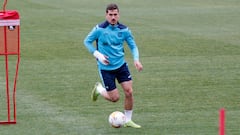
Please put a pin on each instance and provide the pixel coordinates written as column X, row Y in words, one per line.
column 121, row 74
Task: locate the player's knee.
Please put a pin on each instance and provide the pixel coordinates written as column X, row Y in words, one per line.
column 115, row 98
column 113, row 95
column 128, row 93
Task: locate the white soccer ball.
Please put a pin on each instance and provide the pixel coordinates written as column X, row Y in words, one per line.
column 116, row 119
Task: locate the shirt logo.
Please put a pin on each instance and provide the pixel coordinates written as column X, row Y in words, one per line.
column 105, row 34
column 120, row 34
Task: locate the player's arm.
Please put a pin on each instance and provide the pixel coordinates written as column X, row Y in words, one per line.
column 134, row 50
column 90, row 38
column 88, row 42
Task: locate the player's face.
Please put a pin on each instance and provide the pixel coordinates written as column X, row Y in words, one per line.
column 112, row 16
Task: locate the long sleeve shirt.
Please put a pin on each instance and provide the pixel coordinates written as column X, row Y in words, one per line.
column 110, row 42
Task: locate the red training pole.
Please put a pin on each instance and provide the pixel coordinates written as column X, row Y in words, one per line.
column 7, row 80
column 222, row 121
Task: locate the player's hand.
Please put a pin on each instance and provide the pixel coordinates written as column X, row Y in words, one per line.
column 138, row 65
column 102, row 58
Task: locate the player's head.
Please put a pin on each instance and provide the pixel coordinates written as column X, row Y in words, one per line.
column 112, row 13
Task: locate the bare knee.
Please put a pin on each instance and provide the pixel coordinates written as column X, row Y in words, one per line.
column 114, row 98
column 127, row 87
column 113, row 95
column 128, row 92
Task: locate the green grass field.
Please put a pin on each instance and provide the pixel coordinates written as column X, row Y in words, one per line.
column 190, row 50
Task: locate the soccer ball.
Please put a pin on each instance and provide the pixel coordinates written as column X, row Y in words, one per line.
column 116, row 119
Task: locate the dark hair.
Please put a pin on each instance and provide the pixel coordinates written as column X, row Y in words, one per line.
column 111, row 6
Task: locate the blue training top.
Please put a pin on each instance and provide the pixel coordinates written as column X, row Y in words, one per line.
column 109, row 41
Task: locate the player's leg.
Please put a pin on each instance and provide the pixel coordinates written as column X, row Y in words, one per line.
column 127, row 88
column 109, row 91
column 124, row 78
column 128, row 104
column 112, row 95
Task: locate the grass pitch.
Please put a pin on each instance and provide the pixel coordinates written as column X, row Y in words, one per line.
column 191, row 56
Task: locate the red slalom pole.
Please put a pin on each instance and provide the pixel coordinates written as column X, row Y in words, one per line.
column 222, row 121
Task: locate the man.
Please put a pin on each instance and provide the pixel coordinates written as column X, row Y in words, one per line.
column 110, row 36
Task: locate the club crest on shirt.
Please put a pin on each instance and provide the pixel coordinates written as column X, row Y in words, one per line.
column 105, row 34
column 120, row 34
